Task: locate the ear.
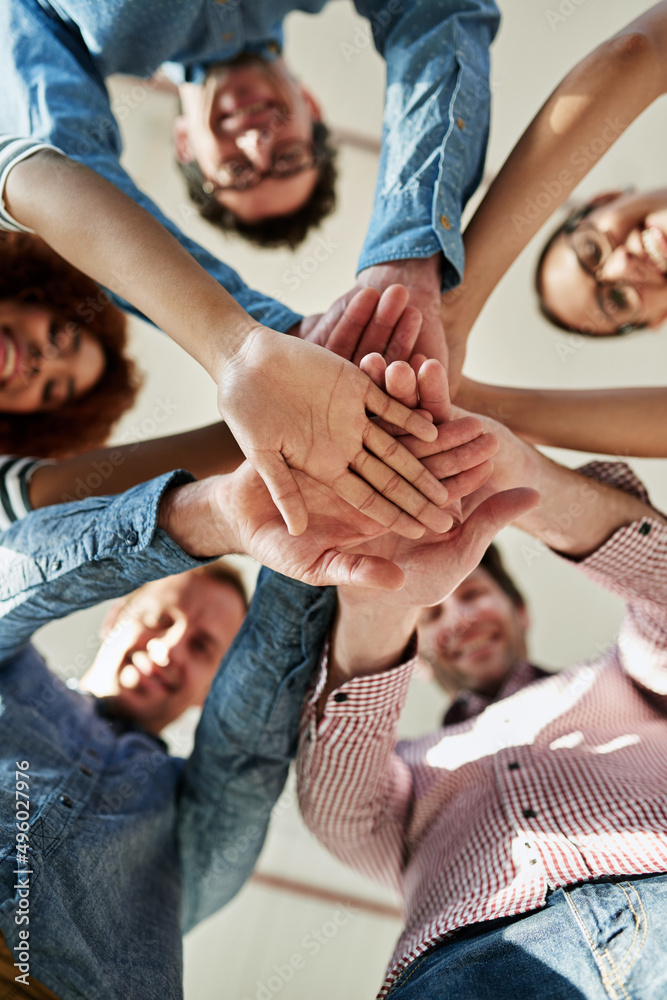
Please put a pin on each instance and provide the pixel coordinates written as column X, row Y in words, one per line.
column 524, row 617
column 182, row 147
column 311, row 104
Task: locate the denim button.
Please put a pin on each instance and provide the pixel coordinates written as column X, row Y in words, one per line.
column 132, row 538
column 529, row 814
column 66, row 801
column 91, row 752
column 56, row 564
column 86, row 770
column 340, row 696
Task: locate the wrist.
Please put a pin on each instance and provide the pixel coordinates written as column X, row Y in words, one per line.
column 194, row 517
column 369, row 636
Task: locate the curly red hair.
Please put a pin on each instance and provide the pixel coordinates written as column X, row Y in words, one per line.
column 31, row 272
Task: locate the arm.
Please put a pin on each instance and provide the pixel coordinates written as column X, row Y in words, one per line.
column 246, row 739
column 609, row 421
column 205, row 452
column 599, row 98
column 434, row 141
column 57, row 95
column 289, row 405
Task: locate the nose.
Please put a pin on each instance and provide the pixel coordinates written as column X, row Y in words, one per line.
column 256, row 144
column 623, row 265
column 168, row 649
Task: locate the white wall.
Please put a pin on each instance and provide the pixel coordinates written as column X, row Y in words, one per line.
column 233, row 955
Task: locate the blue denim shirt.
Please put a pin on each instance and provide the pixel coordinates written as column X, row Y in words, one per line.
column 129, row 847
column 55, row 56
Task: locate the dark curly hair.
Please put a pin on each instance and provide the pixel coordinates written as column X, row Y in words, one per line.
column 281, row 230
column 31, row 272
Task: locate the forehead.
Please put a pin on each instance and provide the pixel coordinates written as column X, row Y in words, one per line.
column 204, row 602
column 569, row 292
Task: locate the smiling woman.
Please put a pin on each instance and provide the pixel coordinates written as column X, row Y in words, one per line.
column 64, row 376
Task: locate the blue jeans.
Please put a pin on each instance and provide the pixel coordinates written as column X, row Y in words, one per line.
column 600, row 941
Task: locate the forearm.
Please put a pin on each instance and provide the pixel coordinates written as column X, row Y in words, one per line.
column 369, row 636
column 577, row 514
column 106, row 235
column 63, row 559
column 629, row 421
column 205, row 451
column 578, row 123
column 246, row 739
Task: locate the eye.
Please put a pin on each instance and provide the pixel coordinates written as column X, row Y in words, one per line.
column 591, row 253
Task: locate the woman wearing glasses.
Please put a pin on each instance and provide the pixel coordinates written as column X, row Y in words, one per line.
column 604, row 271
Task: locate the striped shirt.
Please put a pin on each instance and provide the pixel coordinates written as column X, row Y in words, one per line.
column 13, row 149
column 561, row 781
column 15, row 476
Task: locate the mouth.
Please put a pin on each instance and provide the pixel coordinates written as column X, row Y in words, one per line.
column 654, row 243
column 141, row 674
column 477, row 646
column 249, row 115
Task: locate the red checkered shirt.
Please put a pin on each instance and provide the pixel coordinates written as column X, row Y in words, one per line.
column 560, row 780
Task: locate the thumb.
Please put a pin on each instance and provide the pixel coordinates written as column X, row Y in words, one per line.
column 494, row 514
column 346, row 568
column 284, row 490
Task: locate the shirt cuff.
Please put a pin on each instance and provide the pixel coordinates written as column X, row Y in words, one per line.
column 371, row 694
column 13, row 149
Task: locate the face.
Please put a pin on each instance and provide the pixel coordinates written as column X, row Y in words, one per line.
column 162, row 651
column 44, row 363
column 474, row 638
column 631, row 282
column 248, row 112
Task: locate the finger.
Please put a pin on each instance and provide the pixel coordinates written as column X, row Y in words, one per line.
column 416, row 361
column 349, row 329
column 345, row 568
column 284, row 491
column 379, row 330
column 391, row 453
column 460, row 459
column 375, row 367
column 465, row 483
column 434, row 391
column 494, row 514
column 395, row 413
column 401, row 383
column 449, row 435
column 405, row 335
column 362, row 496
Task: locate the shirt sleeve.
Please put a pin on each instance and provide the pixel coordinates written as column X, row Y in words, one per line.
column 246, row 738
column 15, row 476
column 436, row 124
column 61, row 559
column 52, row 91
column 354, row 790
column 633, row 564
column 13, row 149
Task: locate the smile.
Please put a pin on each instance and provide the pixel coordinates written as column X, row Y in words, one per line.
column 9, row 357
column 655, row 247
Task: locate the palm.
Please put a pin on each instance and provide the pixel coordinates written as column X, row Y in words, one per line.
column 316, row 557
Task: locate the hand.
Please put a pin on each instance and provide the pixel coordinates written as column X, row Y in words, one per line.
column 435, row 565
column 420, row 295
column 292, row 406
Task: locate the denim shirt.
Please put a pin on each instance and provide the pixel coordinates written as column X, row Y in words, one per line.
column 129, row 847
column 55, row 57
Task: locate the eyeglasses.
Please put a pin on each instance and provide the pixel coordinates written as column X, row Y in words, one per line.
column 289, row 158
column 620, row 301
